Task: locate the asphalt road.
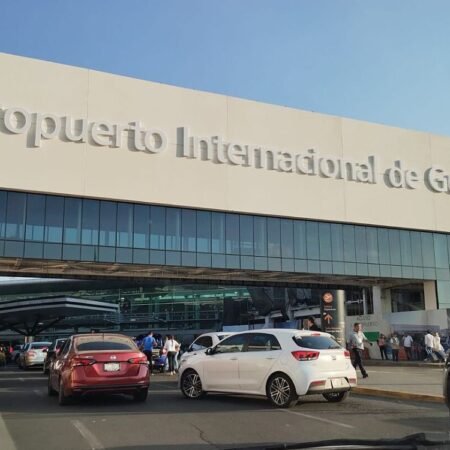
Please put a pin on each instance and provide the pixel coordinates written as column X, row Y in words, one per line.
column 30, row 420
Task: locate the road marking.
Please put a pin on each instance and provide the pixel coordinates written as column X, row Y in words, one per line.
column 5, row 437
column 88, row 436
column 22, row 380
column 38, row 392
column 320, row 419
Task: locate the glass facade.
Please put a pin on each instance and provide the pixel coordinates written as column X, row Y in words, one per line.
column 171, row 305
column 67, row 228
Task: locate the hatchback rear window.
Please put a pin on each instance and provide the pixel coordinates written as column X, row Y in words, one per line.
column 316, row 342
column 89, row 344
column 40, row 346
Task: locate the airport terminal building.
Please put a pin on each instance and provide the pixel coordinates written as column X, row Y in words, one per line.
column 196, row 211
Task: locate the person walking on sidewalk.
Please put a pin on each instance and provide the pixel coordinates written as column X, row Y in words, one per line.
column 395, row 345
column 429, row 342
column 437, row 347
column 407, row 344
column 357, row 339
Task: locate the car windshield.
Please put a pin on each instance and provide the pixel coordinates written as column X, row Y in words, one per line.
column 319, row 342
column 104, row 343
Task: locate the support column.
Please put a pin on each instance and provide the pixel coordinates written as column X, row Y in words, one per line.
column 377, row 302
column 429, row 291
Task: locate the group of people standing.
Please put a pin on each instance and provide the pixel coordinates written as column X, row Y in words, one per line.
column 170, row 347
column 413, row 350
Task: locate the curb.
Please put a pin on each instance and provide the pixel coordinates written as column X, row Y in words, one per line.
column 376, row 363
column 397, row 394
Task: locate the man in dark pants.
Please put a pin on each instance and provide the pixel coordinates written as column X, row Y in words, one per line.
column 357, row 339
column 148, row 344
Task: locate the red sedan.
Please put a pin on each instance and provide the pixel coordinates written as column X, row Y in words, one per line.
column 106, row 362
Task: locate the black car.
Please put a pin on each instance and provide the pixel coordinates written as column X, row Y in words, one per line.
column 52, row 353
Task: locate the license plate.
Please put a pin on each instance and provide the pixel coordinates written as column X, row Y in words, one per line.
column 112, row 367
column 339, row 382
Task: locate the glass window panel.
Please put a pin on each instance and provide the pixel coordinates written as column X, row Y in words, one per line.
column 394, row 247
column 383, row 246
column 337, row 242
column 34, row 229
column 54, row 207
column 427, row 249
column 173, row 229
column 274, row 237
column 416, row 248
column 405, row 248
column 53, row 251
column 349, row 242
column 15, row 215
column 189, row 232
column 218, row 232
column 33, row 250
column 203, row 231
column 287, row 238
column 72, row 220
column 312, row 240
column 108, row 216
column 372, row 245
column 260, row 228
column 90, row 222
column 300, row 239
column 2, row 213
column 361, row 244
column 157, row 227
column 246, row 234
column 232, row 233
column 325, row 241
column 124, row 225
column 440, row 249
column 141, row 226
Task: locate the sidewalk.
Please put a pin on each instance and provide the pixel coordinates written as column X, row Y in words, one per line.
column 410, row 381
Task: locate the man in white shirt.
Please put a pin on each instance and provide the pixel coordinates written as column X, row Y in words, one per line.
column 357, row 339
column 407, row 343
column 429, row 341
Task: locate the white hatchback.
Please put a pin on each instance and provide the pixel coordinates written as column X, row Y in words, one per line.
column 281, row 364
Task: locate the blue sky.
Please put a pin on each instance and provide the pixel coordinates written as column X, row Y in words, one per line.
column 383, row 61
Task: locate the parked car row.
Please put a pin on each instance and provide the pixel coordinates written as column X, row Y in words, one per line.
column 279, row 364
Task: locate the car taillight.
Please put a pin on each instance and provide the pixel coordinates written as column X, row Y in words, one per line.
column 77, row 361
column 138, row 360
column 347, row 354
column 352, row 380
column 305, row 355
column 31, row 353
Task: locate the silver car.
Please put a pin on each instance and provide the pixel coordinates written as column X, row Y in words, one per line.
column 33, row 354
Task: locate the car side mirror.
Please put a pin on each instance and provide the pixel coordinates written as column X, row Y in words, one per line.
column 210, row 351
column 190, row 348
column 44, row 350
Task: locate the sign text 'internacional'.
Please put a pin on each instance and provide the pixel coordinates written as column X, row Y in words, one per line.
column 39, row 127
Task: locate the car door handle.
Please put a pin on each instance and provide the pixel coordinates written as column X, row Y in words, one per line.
column 233, row 359
column 269, row 358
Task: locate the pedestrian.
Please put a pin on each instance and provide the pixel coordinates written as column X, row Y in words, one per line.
column 437, row 347
column 429, row 342
column 381, row 341
column 147, row 347
column 311, row 324
column 172, row 347
column 407, row 344
column 357, row 339
column 395, row 346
